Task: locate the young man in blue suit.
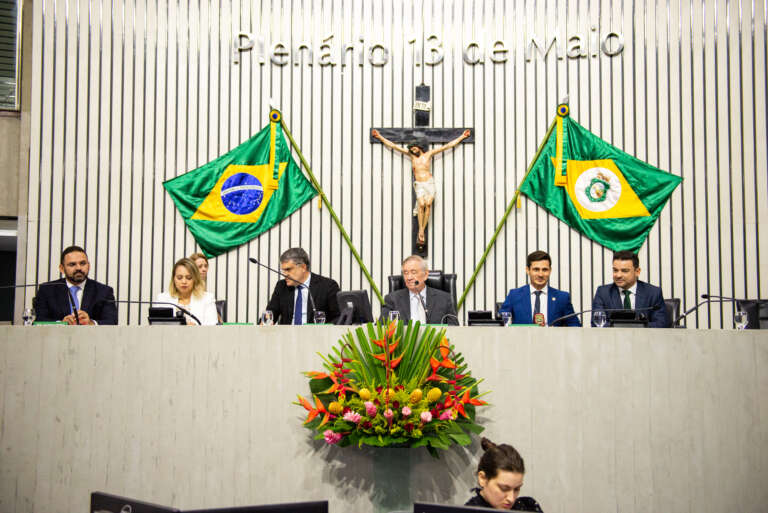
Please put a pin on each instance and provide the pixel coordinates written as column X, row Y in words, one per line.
column 538, row 297
column 629, row 293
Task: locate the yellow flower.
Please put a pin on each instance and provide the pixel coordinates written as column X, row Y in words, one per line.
column 335, row 408
column 364, row 394
column 416, row 396
column 390, row 393
column 434, row 394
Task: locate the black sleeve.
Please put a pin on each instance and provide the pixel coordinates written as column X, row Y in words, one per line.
column 332, row 315
column 42, row 305
column 274, row 302
column 108, row 308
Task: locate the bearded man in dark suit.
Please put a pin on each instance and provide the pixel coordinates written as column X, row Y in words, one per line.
column 629, row 293
column 94, row 301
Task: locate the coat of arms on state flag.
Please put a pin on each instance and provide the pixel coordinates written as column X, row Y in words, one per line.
column 608, row 195
column 243, row 193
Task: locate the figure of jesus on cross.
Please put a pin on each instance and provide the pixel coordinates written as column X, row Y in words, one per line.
column 423, row 181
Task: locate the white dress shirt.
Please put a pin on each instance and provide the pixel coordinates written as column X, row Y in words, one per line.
column 304, row 299
column 417, row 307
column 203, row 307
column 632, row 295
column 542, row 302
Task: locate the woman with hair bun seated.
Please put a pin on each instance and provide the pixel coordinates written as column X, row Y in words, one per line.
column 187, row 290
column 500, row 478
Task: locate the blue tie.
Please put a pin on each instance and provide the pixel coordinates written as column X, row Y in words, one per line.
column 73, row 292
column 297, row 308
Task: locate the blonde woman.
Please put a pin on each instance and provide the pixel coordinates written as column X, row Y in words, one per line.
column 187, row 289
column 201, row 261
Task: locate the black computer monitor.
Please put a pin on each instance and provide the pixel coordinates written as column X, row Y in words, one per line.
column 164, row 315
column 482, row 318
column 107, row 503
column 425, row 507
column 357, row 301
column 627, row 319
column 289, row 507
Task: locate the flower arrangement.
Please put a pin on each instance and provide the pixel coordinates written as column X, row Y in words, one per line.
column 396, row 385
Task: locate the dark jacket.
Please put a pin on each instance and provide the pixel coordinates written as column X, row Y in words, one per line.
column 52, row 302
column 323, row 291
column 439, row 303
column 521, row 504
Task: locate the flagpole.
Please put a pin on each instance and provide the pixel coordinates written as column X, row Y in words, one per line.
column 327, row 203
column 504, row 217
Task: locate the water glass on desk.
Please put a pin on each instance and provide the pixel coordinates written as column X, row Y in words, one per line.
column 600, row 319
column 741, row 319
column 267, row 318
column 28, row 316
column 394, row 315
column 319, row 317
column 506, row 318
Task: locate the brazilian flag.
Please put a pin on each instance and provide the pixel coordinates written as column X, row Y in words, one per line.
column 608, row 195
column 243, row 193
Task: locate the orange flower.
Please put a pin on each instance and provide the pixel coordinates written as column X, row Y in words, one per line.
column 391, row 329
column 314, row 412
column 316, row 375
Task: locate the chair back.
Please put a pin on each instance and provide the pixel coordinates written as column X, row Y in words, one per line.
column 221, row 309
column 672, row 305
column 436, row 280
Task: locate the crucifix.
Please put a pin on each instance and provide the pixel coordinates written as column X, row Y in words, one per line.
column 418, row 140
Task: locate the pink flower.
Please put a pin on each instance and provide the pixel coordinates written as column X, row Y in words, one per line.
column 331, row 437
column 406, row 411
column 446, row 415
column 426, row 417
column 370, row 409
column 353, row 417
column 388, row 414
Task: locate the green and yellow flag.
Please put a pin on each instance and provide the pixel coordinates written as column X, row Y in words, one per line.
column 243, row 193
column 608, row 195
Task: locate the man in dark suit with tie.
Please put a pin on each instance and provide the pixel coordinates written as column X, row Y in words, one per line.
column 302, row 293
column 629, row 293
column 524, row 303
column 94, row 301
column 412, row 301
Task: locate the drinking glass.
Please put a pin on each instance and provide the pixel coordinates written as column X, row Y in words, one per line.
column 394, row 315
column 600, row 319
column 506, row 318
column 28, row 316
column 319, row 317
column 740, row 319
column 268, row 319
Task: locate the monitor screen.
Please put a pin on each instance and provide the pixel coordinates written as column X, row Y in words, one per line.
column 289, row 507
column 107, row 503
column 423, row 507
column 358, row 301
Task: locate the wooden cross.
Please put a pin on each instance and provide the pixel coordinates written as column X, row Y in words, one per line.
column 424, row 136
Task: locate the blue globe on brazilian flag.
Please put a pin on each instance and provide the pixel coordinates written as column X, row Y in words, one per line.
column 243, row 193
column 608, row 195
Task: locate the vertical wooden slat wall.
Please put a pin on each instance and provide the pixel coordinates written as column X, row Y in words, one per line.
column 128, row 94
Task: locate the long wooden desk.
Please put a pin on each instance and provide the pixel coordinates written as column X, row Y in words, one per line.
column 607, row 420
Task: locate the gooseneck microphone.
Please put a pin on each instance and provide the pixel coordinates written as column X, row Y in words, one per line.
column 645, row 309
column 707, row 299
column 300, row 285
column 181, row 308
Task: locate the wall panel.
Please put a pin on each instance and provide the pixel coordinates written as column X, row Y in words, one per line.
column 126, row 95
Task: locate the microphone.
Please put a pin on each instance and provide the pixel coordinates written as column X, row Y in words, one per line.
column 442, row 321
column 46, row 284
column 416, row 283
column 707, row 299
column 183, row 310
column 645, row 309
column 300, row 285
